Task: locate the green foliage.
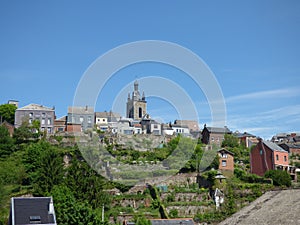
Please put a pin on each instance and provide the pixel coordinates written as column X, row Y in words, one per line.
column 69, row 211
column 7, row 112
column 230, row 141
column 173, row 213
column 279, row 177
column 6, row 143
column 141, row 220
column 230, row 204
column 23, row 133
column 86, row 184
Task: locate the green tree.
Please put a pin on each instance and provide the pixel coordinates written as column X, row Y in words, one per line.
column 23, row 133
column 50, row 171
column 6, row 142
column 230, row 141
column 69, row 211
column 279, row 177
column 7, row 112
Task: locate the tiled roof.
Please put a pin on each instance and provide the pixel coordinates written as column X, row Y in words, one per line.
column 33, row 106
column 273, row 146
column 80, row 110
column 107, row 114
column 35, row 208
column 218, row 130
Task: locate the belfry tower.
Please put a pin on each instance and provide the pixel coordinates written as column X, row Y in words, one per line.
column 136, row 105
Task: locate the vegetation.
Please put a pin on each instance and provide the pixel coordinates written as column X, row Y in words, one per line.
column 30, row 165
column 279, row 177
column 7, row 113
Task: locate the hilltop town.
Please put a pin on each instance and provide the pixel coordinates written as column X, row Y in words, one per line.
column 54, row 166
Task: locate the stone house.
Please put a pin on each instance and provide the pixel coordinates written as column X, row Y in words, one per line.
column 32, row 112
column 83, row 115
column 214, row 135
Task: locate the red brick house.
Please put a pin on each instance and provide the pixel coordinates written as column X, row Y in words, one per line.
column 268, row 156
column 226, row 160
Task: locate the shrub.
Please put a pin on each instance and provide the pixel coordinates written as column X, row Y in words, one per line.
column 279, row 177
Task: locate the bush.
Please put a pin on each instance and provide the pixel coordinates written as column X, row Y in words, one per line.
column 279, row 177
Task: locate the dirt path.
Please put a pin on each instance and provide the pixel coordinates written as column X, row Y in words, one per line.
column 274, row 207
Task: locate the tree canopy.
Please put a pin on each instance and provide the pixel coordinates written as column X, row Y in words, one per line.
column 7, row 112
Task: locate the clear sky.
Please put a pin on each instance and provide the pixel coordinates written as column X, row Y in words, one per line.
column 252, row 47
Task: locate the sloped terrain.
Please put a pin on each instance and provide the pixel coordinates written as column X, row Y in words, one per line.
column 274, row 207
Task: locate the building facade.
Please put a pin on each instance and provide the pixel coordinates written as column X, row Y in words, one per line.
column 226, row 159
column 136, row 106
column 214, row 135
column 268, row 156
column 83, row 115
column 32, row 112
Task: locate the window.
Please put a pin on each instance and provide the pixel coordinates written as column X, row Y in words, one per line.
column 212, row 139
column 277, row 157
column 285, row 159
column 81, row 119
column 43, row 121
column 31, row 114
column 49, row 121
column 223, row 155
column 155, row 126
column 140, row 112
column 89, row 119
column 34, row 219
column 43, row 114
column 260, row 152
column 224, row 163
column 30, row 121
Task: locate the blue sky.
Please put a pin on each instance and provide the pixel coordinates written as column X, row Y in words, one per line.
column 252, row 47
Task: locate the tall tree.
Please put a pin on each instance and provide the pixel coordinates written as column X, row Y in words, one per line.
column 6, row 142
column 7, row 112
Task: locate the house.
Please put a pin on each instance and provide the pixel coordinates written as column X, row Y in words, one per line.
column 266, row 156
column 246, row 138
column 102, row 119
column 9, row 127
column 181, row 129
column 226, row 159
column 191, row 124
column 83, row 115
column 32, row 210
column 32, row 112
column 60, row 124
column 124, row 126
column 150, row 126
column 214, row 135
column 181, row 221
column 291, row 148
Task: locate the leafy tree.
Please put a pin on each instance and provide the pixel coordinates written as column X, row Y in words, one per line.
column 7, row 112
column 69, row 211
column 23, row 133
column 279, row 177
column 6, row 142
column 230, row 141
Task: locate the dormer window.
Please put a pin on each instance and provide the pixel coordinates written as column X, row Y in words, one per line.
column 35, row 220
